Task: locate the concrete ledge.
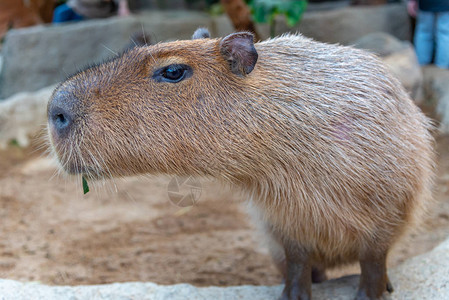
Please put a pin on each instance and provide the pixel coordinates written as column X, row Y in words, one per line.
column 424, row 277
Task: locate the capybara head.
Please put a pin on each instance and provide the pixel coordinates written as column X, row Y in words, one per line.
column 140, row 112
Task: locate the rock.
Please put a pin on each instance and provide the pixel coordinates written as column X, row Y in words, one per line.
column 399, row 57
column 404, row 65
column 336, row 25
column 348, row 24
column 23, row 115
column 39, row 56
column 381, row 43
column 436, row 89
column 424, row 277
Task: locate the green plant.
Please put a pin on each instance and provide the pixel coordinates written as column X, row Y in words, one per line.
column 264, row 11
column 85, row 186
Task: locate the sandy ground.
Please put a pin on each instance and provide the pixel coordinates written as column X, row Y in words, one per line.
column 53, row 234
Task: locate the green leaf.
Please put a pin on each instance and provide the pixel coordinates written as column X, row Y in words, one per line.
column 85, row 186
column 216, row 9
column 260, row 14
column 266, row 10
column 294, row 12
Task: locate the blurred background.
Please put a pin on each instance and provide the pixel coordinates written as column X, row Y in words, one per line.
column 47, row 53
column 128, row 230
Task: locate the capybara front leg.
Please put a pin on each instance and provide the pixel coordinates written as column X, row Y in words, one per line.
column 373, row 279
column 318, row 274
column 298, row 281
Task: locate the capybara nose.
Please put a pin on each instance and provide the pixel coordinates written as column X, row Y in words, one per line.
column 60, row 114
column 61, row 120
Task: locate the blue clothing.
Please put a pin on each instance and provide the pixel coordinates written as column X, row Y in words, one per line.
column 63, row 13
column 432, row 38
column 434, row 5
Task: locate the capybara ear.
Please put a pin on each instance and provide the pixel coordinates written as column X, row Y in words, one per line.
column 201, row 33
column 239, row 51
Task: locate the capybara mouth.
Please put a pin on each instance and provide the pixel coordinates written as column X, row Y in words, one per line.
column 86, row 170
column 83, row 170
column 74, row 164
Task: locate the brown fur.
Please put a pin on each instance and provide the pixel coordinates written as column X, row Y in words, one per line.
column 334, row 154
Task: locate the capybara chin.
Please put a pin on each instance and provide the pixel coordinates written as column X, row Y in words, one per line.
column 336, row 158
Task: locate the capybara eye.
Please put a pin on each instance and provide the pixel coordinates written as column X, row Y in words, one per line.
column 172, row 73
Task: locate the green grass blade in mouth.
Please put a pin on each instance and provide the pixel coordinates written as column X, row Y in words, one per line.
column 85, row 186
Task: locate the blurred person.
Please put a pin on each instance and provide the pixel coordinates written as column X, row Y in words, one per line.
column 76, row 10
column 432, row 31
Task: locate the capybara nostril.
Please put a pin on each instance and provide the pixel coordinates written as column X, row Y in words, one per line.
column 61, row 120
column 62, row 111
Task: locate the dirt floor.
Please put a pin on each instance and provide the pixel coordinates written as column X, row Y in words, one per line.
column 131, row 232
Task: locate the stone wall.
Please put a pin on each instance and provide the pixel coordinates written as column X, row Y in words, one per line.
column 40, row 56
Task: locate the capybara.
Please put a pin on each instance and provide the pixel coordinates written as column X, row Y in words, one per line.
column 336, row 158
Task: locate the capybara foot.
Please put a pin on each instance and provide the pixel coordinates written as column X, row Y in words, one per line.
column 374, row 282
column 298, row 281
column 295, row 292
column 390, row 288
